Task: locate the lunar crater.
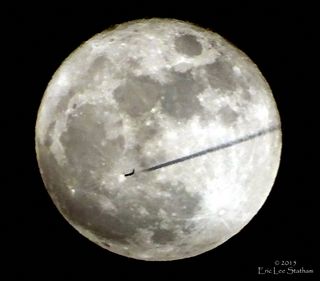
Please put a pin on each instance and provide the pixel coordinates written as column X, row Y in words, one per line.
column 180, row 100
column 137, row 95
column 228, row 115
column 188, row 45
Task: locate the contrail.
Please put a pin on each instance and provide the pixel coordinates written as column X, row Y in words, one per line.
column 212, row 149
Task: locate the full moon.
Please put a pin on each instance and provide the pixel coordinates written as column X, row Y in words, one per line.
column 158, row 139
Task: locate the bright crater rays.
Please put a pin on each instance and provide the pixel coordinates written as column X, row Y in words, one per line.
column 158, row 140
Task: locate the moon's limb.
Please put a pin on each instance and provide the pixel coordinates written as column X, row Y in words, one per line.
column 143, row 93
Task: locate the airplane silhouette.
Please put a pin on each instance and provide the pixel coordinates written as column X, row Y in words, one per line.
column 129, row 174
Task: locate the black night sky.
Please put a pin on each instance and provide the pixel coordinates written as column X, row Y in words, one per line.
column 38, row 244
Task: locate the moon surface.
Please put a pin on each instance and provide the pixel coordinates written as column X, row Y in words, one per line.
column 158, row 139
